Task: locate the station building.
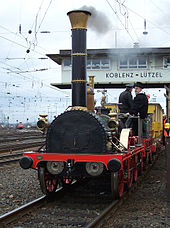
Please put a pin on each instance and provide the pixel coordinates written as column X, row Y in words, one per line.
column 115, row 67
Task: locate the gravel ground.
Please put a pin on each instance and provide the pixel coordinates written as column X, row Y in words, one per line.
column 148, row 206
column 17, row 187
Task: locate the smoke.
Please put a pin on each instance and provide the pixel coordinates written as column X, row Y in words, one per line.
column 98, row 21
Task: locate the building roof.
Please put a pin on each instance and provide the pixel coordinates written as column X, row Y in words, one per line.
column 111, row 52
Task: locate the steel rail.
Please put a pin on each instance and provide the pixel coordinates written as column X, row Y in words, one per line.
column 20, row 145
column 10, row 155
column 13, row 215
column 7, row 139
column 8, row 162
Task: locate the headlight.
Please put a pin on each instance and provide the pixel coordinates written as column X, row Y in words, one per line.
column 55, row 167
column 41, row 124
column 94, row 168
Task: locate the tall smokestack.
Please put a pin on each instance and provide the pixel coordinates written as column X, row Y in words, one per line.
column 78, row 19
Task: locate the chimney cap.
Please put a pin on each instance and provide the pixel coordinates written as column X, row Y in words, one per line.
column 79, row 11
column 78, row 18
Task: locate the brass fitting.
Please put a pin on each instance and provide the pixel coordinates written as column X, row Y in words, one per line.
column 42, row 123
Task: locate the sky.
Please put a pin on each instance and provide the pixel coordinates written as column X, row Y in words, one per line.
column 31, row 29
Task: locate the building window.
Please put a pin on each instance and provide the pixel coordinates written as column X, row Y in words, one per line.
column 142, row 62
column 133, row 63
column 88, row 64
column 166, row 62
column 67, row 62
column 97, row 64
column 105, row 64
column 92, row 64
column 123, row 63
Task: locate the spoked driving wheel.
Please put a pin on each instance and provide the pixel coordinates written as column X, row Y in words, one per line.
column 117, row 184
column 48, row 182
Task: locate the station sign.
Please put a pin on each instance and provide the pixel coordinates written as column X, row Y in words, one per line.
column 123, row 77
column 141, row 75
column 161, row 76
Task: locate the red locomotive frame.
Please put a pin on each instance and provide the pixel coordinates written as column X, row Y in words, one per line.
column 133, row 161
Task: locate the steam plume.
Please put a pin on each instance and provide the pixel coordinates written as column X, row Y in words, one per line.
column 98, row 21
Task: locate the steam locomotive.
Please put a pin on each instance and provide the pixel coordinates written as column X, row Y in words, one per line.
column 83, row 142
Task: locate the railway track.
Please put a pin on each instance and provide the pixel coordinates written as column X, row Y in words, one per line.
column 85, row 204
column 75, row 206
column 7, row 159
column 16, row 145
column 12, row 144
column 13, row 138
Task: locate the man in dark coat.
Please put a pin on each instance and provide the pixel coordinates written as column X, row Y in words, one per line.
column 126, row 100
column 140, row 105
column 125, row 104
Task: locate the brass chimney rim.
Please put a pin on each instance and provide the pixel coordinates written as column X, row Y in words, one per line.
column 78, row 18
column 79, row 11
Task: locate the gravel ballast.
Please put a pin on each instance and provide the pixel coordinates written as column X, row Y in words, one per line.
column 17, row 187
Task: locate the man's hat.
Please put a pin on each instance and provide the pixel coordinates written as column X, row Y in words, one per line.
column 139, row 84
column 129, row 85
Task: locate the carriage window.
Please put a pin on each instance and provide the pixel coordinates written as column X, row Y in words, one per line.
column 166, row 62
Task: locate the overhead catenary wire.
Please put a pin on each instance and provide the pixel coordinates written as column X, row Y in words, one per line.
column 120, row 20
column 44, row 16
column 30, row 78
column 151, row 22
column 35, row 42
column 21, row 45
column 163, row 12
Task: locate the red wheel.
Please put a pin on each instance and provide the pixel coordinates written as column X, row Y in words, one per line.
column 51, row 184
column 48, row 182
column 117, row 184
column 67, row 181
column 120, row 183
